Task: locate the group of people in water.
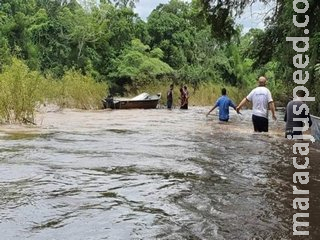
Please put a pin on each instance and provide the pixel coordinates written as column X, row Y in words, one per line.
column 262, row 102
column 184, row 97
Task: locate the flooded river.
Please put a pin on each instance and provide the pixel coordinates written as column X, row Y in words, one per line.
column 149, row 174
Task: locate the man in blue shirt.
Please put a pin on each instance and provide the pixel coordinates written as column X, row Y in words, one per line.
column 223, row 103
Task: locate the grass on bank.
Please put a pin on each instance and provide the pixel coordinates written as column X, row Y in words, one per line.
column 22, row 90
column 75, row 90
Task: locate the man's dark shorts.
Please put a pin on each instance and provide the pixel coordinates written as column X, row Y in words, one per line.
column 260, row 124
column 169, row 104
column 290, row 133
column 223, row 120
column 184, row 106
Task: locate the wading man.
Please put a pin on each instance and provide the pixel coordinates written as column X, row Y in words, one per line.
column 297, row 112
column 223, row 103
column 170, row 97
column 261, row 102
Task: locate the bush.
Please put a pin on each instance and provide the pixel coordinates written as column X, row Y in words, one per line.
column 78, row 91
column 20, row 92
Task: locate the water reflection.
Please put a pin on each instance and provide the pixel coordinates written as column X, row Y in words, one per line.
column 153, row 174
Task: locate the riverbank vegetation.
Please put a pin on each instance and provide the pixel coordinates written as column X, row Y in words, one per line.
column 74, row 54
column 23, row 90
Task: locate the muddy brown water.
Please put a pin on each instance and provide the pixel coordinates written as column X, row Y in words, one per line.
column 149, row 174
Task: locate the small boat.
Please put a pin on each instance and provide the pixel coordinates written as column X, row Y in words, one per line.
column 143, row 101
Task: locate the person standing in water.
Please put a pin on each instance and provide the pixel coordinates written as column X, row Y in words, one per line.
column 261, row 101
column 184, row 97
column 170, row 97
column 223, row 102
column 298, row 109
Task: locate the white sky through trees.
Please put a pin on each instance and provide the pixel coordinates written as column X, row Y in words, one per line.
column 253, row 16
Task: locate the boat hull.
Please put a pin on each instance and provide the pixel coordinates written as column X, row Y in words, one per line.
column 130, row 104
column 118, row 103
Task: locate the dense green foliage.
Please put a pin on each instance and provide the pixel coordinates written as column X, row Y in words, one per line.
column 20, row 91
column 269, row 48
column 195, row 43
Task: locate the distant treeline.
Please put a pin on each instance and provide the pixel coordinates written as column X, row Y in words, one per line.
column 112, row 45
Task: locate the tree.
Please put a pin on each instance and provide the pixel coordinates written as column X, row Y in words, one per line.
column 124, row 3
column 137, row 66
column 170, row 29
column 272, row 45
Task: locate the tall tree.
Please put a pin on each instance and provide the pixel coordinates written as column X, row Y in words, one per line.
column 272, row 44
column 139, row 65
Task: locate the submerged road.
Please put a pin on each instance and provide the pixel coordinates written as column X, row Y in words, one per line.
column 150, row 174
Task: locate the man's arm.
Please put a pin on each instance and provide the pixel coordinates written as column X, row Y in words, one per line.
column 231, row 104
column 214, row 107
column 273, row 110
column 310, row 121
column 243, row 102
column 285, row 116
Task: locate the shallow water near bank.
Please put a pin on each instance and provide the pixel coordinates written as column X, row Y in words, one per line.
column 149, row 174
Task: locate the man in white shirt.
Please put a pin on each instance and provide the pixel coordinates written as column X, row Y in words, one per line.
column 261, row 101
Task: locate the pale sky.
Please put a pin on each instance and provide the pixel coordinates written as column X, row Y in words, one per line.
column 252, row 17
